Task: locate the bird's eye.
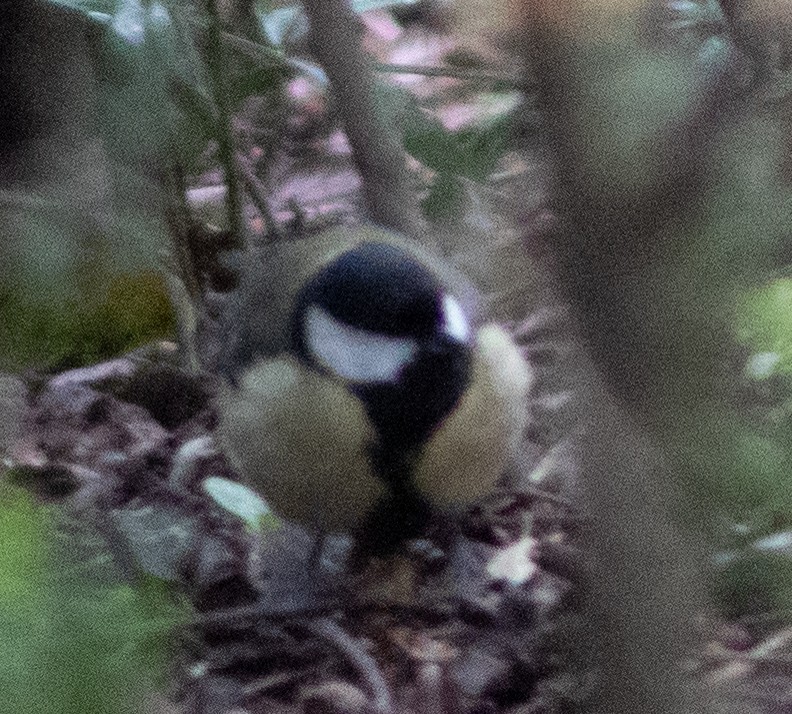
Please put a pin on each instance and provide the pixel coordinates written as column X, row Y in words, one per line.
column 455, row 324
column 355, row 354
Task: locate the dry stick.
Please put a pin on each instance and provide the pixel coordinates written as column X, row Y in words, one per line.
column 258, row 195
column 267, row 58
column 363, row 663
column 462, row 73
column 242, row 615
column 376, row 150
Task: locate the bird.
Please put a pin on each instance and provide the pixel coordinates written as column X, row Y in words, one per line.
column 362, row 392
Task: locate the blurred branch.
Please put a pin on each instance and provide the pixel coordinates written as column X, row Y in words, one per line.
column 378, row 155
column 616, row 237
column 181, row 274
column 179, row 224
column 647, row 590
column 619, row 238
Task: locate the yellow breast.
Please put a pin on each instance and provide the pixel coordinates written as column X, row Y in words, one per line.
column 303, row 440
column 477, row 440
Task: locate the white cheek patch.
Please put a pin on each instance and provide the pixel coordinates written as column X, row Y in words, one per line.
column 455, row 323
column 354, row 354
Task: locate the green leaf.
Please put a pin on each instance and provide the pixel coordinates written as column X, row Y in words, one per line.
column 764, row 322
column 242, row 501
column 753, row 583
column 250, row 80
column 69, row 646
column 445, row 199
column 470, row 152
column 284, row 24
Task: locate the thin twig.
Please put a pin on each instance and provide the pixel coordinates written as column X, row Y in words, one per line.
column 217, row 66
column 265, row 57
column 257, row 195
column 323, row 627
column 362, row 662
column 243, row 614
column 378, row 155
column 178, row 224
column 543, row 495
column 469, row 75
column 269, row 57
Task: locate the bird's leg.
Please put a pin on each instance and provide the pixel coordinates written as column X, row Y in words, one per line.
column 402, row 514
column 383, row 568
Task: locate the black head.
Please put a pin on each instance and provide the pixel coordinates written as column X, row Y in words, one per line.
column 379, row 319
column 378, row 288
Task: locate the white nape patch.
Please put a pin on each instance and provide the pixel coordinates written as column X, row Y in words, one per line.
column 354, row 354
column 454, row 321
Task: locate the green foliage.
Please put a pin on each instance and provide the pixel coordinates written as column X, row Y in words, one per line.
column 469, row 153
column 757, row 473
column 156, row 97
column 764, row 322
column 72, row 293
column 715, row 283
column 445, row 198
column 71, row 647
column 77, row 286
column 145, row 51
column 753, row 583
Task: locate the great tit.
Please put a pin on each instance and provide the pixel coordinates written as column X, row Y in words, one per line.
column 360, row 392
